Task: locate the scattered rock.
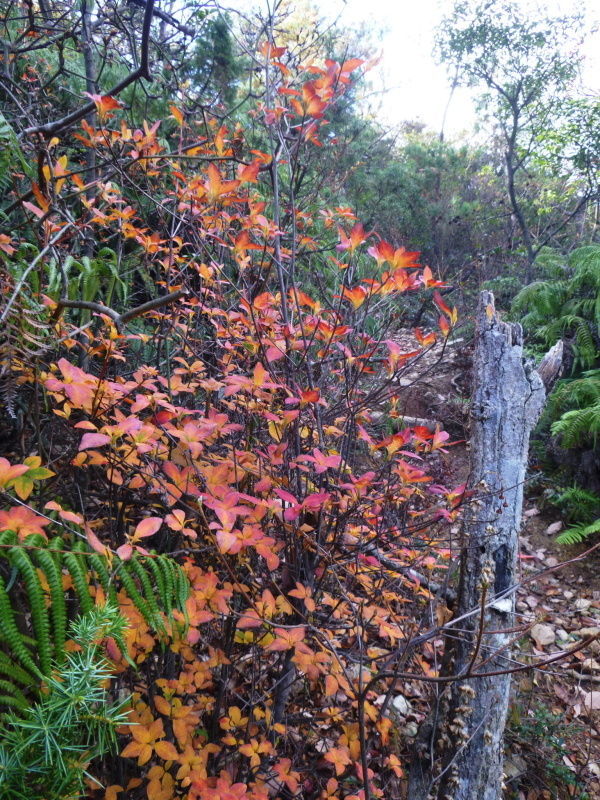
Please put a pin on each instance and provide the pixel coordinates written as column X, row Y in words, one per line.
column 543, row 634
column 551, row 561
column 556, row 527
column 585, row 632
column 581, row 604
column 401, row 705
column 513, row 767
column 591, row 700
column 411, row 729
column 531, row 512
column 590, row 665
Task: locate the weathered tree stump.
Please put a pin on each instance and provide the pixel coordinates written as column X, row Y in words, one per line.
column 458, row 754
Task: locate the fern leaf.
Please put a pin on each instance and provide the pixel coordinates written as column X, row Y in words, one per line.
column 78, row 573
column 58, row 608
column 19, row 697
column 99, row 566
column 37, row 605
column 10, row 632
column 139, row 602
column 577, row 533
column 148, row 593
column 13, row 702
column 17, row 673
column 154, row 567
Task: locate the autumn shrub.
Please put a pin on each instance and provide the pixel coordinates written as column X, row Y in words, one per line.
column 209, row 452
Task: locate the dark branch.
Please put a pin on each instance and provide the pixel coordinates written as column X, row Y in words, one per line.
column 143, row 71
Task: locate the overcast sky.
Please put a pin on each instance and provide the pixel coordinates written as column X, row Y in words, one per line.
column 418, row 88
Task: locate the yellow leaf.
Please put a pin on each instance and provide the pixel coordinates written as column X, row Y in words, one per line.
column 178, row 116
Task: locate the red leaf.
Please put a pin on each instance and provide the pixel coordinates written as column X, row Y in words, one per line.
column 96, row 544
column 93, row 440
column 147, row 527
column 125, row 552
column 439, row 301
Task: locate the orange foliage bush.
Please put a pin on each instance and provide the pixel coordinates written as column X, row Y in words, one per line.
column 233, row 430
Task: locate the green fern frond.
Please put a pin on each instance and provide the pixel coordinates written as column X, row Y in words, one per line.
column 58, row 607
column 11, row 701
column 11, row 155
column 11, row 634
column 579, row 504
column 24, row 332
column 78, row 571
column 21, row 559
column 17, row 673
column 99, row 566
column 17, row 698
column 147, row 593
column 154, row 565
column 140, row 602
column 578, row 425
column 577, row 533
column 155, row 584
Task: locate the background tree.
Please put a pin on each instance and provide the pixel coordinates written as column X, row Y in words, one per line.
column 526, row 66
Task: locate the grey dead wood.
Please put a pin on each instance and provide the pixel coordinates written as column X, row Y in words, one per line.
column 458, row 753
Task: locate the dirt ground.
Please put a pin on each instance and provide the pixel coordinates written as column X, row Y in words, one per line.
column 554, row 730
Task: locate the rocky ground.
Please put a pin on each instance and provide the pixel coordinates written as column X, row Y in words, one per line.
column 554, row 730
column 553, row 733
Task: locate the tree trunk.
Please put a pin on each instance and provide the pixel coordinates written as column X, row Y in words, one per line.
column 458, row 754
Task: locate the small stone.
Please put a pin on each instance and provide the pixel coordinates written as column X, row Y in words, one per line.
column 562, row 634
column 401, row 705
column 568, row 595
column 591, row 700
column 551, row 561
column 410, row 730
column 531, row 512
column 581, row 604
column 556, row 527
column 543, row 634
column 513, row 767
column 590, row 665
column 587, row 632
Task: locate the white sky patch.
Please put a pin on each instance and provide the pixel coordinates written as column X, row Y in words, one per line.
column 418, row 88
column 409, row 84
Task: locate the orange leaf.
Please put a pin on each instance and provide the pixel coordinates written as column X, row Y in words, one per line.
column 166, row 751
column 93, row 440
column 95, row 543
column 357, row 296
column 439, row 301
column 104, row 103
column 162, row 705
column 125, row 551
column 177, row 115
column 147, row 527
column 339, row 758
